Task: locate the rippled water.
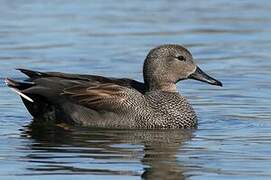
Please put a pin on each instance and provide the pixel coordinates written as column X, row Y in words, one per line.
column 230, row 39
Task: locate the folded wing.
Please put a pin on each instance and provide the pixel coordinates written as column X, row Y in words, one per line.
column 102, row 96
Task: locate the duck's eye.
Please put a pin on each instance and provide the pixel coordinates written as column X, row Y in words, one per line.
column 181, row 58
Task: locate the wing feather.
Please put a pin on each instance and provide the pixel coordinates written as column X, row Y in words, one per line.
column 102, row 96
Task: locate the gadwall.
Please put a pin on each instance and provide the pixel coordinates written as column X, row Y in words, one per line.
column 97, row 101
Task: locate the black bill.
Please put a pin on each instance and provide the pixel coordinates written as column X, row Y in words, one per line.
column 202, row 76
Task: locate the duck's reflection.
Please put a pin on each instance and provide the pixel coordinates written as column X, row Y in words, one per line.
column 150, row 154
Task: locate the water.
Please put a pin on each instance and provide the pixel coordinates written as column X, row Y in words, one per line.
column 230, row 40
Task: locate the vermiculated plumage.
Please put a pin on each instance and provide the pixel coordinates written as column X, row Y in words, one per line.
column 97, row 101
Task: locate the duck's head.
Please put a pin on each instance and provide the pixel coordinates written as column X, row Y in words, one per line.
column 166, row 65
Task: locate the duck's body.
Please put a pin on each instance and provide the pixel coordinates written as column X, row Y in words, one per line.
column 98, row 101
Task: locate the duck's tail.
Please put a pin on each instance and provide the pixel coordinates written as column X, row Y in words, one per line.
column 38, row 106
column 19, row 87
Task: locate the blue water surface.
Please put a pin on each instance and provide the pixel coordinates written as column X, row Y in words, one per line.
column 231, row 40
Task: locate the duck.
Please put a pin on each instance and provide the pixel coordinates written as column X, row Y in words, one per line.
column 108, row 102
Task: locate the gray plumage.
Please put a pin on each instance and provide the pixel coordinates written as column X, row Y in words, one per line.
column 97, row 101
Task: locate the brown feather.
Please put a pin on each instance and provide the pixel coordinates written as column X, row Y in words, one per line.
column 97, row 95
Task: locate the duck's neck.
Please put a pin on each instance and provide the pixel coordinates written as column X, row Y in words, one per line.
column 166, row 87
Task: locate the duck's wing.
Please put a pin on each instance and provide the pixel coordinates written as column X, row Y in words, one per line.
column 45, row 91
column 103, row 96
column 129, row 83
